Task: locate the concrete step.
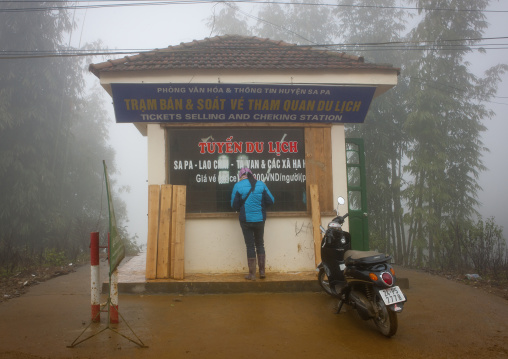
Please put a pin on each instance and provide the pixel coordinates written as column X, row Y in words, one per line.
column 131, row 280
column 222, row 284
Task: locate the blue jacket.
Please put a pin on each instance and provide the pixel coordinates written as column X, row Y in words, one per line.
column 254, row 209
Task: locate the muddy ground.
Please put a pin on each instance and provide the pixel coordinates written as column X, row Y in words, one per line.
column 443, row 318
column 18, row 283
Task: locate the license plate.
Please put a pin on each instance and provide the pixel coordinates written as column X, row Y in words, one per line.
column 392, row 295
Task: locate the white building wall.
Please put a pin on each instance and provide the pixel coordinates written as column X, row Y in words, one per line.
column 156, row 154
column 213, row 245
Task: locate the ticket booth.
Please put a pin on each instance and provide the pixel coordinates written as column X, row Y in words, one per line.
column 211, row 107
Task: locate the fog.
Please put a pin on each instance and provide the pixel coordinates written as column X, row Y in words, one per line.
column 144, row 28
column 151, row 27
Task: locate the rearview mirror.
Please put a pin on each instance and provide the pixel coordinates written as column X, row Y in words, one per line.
column 341, row 200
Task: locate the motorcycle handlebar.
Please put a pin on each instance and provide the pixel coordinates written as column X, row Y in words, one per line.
column 342, row 218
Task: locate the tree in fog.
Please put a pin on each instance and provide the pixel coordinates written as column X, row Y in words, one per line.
column 300, row 24
column 446, row 112
column 32, row 125
column 228, row 19
column 382, row 132
column 53, row 138
column 422, row 138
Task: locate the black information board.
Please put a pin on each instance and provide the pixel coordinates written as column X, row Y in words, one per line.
column 207, row 161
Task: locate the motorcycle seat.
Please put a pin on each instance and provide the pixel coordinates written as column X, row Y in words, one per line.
column 365, row 257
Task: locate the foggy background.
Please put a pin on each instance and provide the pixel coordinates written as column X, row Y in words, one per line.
column 146, row 28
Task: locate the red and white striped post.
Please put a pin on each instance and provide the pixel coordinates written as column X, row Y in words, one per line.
column 95, row 277
column 113, row 291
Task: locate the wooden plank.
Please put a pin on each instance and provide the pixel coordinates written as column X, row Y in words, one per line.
column 178, row 233
column 269, row 214
column 324, row 175
column 318, row 163
column 153, row 231
column 309, row 158
column 163, row 242
column 316, row 222
column 326, row 199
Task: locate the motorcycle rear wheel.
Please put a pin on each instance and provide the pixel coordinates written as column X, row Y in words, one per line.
column 386, row 320
column 323, row 281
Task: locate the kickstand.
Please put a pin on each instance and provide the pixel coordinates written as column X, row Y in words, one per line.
column 341, row 303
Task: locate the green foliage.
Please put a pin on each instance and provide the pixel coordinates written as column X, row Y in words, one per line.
column 13, row 258
column 475, row 247
column 131, row 246
column 444, row 125
column 486, row 247
column 55, row 258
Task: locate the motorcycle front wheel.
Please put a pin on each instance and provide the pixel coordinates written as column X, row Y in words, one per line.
column 386, row 320
column 323, row 281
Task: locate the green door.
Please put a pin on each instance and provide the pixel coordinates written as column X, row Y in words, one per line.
column 357, row 194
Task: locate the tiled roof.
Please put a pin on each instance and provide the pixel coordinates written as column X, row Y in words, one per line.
column 236, row 52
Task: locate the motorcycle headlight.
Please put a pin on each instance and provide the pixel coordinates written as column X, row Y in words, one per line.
column 334, row 225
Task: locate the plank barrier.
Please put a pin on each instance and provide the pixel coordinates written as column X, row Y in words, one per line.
column 166, row 232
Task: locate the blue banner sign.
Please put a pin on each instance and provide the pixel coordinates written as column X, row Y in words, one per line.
column 223, row 103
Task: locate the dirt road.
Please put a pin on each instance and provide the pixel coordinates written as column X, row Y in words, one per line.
column 442, row 319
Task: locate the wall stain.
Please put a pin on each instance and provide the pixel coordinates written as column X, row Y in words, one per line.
column 303, row 228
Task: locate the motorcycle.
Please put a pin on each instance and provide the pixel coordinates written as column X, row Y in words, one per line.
column 363, row 280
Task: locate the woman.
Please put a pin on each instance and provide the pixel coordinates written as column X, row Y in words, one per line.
column 251, row 198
